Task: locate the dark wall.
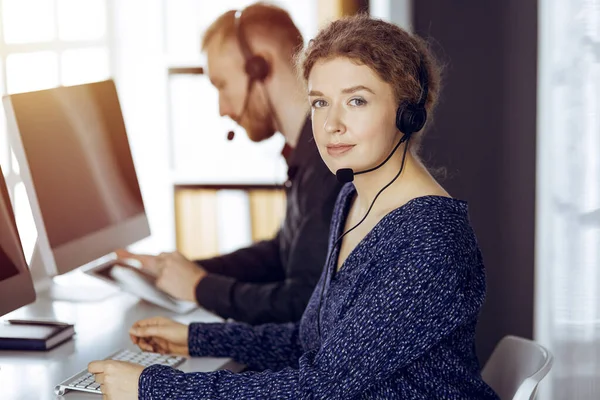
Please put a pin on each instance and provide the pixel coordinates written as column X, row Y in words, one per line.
column 484, row 135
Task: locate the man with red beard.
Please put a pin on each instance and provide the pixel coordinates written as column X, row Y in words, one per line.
column 250, row 60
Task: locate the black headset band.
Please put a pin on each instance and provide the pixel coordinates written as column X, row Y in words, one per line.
column 423, row 83
column 240, row 35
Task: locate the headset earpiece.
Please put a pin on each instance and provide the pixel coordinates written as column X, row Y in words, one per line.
column 410, row 118
column 256, row 67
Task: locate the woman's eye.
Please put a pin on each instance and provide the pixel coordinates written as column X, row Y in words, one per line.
column 319, row 103
column 357, row 102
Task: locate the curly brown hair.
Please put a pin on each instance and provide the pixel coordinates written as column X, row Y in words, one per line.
column 394, row 54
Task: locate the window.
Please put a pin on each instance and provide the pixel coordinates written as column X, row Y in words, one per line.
column 44, row 44
column 568, row 215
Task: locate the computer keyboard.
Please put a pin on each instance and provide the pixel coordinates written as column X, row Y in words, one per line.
column 84, row 381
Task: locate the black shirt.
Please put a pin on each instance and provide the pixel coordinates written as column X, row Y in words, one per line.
column 273, row 280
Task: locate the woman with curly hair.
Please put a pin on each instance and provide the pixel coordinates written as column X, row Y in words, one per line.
column 395, row 310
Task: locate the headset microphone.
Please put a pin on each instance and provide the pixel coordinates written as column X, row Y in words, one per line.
column 256, row 67
column 231, row 134
column 345, row 175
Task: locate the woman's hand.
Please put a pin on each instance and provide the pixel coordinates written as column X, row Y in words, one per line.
column 118, row 380
column 160, row 335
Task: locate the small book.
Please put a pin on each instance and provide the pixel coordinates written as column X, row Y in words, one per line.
column 34, row 335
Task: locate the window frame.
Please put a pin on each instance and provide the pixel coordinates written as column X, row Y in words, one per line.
column 58, row 47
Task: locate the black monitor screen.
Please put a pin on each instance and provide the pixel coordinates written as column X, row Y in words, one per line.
column 10, row 246
column 7, row 266
column 80, row 162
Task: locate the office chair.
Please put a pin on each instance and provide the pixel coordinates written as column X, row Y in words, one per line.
column 516, row 367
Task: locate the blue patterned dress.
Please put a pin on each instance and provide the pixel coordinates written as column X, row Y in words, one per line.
column 398, row 321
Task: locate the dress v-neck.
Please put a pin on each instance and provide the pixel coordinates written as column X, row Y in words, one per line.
column 332, row 270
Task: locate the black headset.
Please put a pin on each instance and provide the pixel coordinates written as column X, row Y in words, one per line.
column 257, row 67
column 410, row 118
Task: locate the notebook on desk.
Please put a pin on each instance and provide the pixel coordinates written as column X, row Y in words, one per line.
column 34, row 335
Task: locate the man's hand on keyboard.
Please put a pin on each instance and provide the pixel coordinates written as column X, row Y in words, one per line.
column 118, row 380
column 160, row 335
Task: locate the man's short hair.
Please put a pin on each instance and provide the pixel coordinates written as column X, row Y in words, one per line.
column 258, row 19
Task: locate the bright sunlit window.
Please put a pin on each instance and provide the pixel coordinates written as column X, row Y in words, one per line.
column 28, row 21
column 44, row 44
column 81, row 19
column 31, row 71
column 84, row 65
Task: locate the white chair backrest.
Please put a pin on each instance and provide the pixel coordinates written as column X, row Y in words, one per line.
column 516, row 367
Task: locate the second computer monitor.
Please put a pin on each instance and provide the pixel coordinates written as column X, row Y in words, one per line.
column 16, row 287
column 77, row 167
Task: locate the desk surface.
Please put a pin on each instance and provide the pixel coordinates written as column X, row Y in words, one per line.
column 101, row 329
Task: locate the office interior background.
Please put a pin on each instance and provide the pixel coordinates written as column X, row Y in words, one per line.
column 517, row 134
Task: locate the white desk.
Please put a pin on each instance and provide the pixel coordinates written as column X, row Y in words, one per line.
column 101, row 329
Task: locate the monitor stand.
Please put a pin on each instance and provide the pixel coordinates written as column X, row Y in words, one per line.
column 75, row 286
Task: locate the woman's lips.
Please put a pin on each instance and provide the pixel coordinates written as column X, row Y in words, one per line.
column 339, row 149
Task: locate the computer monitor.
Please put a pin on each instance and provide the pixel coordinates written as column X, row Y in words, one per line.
column 16, row 286
column 76, row 163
